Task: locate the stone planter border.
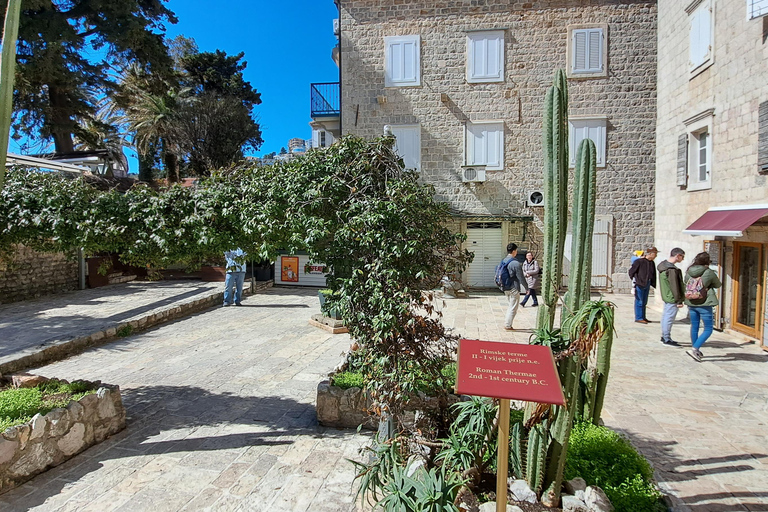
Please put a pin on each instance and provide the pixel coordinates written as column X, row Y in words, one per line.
column 348, row 408
column 48, row 440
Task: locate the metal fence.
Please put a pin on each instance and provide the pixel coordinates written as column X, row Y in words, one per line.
column 325, row 100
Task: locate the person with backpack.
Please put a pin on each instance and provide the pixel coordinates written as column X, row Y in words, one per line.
column 643, row 274
column 672, row 293
column 509, row 277
column 700, row 297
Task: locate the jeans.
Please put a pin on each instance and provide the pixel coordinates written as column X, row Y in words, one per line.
column 667, row 317
column 641, row 300
column 513, row 296
column 531, row 294
column 233, row 283
column 703, row 313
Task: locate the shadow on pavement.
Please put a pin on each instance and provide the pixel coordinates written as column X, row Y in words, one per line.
column 180, row 422
column 670, row 468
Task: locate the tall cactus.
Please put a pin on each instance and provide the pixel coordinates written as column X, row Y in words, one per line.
column 555, row 146
column 583, row 216
column 7, row 70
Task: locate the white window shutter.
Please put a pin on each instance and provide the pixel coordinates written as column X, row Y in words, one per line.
column 579, row 50
column 580, row 129
column 485, row 145
column 402, row 61
column 485, row 56
column 595, row 50
column 408, row 145
column 700, row 36
column 756, row 8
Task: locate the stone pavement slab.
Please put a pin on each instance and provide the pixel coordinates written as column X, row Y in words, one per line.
column 42, row 330
column 220, row 417
column 703, row 426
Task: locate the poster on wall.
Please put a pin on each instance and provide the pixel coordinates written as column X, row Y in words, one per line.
column 289, row 269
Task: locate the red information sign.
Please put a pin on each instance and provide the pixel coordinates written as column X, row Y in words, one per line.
column 508, row 370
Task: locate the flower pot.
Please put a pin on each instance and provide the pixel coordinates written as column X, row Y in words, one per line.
column 331, row 313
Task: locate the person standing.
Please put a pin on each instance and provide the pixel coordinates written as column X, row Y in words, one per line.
column 702, row 281
column 532, row 272
column 643, row 272
column 672, row 293
column 233, row 284
column 516, row 277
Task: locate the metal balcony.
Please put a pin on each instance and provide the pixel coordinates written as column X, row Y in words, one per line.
column 325, row 101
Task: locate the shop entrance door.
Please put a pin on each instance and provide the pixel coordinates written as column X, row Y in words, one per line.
column 747, row 315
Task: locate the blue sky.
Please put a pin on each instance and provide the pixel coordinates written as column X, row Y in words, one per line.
column 287, row 46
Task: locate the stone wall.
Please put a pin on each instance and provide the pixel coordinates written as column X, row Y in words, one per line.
column 31, row 274
column 47, row 441
column 535, row 46
column 733, row 87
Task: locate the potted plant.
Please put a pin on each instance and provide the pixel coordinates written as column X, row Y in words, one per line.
column 213, row 271
column 323, row 295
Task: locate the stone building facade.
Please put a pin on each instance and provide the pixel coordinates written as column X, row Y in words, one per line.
column 31, row 274
column 462, row 82
column 712, row 147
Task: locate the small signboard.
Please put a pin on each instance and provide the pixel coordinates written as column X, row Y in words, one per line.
column 508, row 370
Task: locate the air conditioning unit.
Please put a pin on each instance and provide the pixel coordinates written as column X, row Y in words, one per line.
column 336, row 27
column 534, row 198
column 473, row 173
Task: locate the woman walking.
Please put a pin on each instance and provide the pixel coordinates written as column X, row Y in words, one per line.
column 700, row 297
column 532, row 273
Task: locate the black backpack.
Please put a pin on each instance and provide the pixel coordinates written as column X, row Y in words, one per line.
column 503, row 280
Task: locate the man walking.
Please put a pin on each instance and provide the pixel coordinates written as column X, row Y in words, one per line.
column 512, row 288
column 643, row 271
column 235, row 277
column 672, row 293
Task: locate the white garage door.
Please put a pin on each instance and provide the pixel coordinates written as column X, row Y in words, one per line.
column 484, row 239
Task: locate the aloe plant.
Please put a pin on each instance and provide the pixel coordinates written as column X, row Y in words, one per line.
column 7, row 70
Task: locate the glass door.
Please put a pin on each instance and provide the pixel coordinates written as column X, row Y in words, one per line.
column 747, row 288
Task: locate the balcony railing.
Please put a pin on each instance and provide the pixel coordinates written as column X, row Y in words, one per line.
column 325, row 101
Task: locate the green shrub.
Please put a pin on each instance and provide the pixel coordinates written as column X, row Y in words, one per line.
column 604, row 458
column 125, row 331
column 17, row 406
column 346, row 380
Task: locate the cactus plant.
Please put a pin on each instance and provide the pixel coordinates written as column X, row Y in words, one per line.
column 7, row 70
column 555, row 146
column 583, row 216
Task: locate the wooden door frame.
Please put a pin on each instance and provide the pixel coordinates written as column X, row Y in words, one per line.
column 757, row 332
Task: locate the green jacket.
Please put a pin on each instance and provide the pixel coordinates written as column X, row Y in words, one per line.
column 671, row 283
column 709, row 280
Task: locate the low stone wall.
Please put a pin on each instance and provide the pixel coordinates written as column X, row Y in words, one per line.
column 33, row 274
column 348, row 408
column 47, row 441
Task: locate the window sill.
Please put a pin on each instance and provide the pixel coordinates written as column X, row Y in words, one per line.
column 485, row 80
column 586, row 76
column 400, row 86
column 693, row 187
column 701, row 68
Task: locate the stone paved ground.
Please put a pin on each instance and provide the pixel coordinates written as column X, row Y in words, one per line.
column 221, row 417
column 704, row 426
column 221, row 413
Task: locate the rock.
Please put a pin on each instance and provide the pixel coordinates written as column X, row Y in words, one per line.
column 11, row 433
column 576, row 484
column 596, row 500
column 59, row 421
column 414, row 464
column 521, row 491
column 26, row 380
column 571, row 503
column 490, row 506
column 24, row 432
column 35, row 458
column 106, row 405
column 76, row 411
column 7, row 450
column 579, row 494
column 39, row 424
column 74, row 441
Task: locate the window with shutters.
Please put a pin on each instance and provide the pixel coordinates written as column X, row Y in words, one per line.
column 485, row 144
column 762, row 138
column 587, row 51
column 587, row 128
column 408, row 144
column 701, row 34
column 485, row 56
column 756, row 8
column 402, row 61
column 699, row 161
